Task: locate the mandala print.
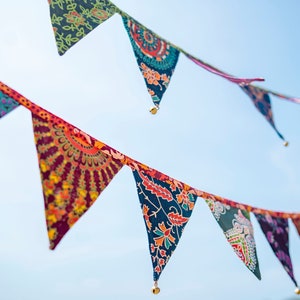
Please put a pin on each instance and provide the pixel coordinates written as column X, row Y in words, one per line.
column 166, row 210
column 156, row 58
column 262, row 102
column 73, row 174
column 276, row 231
column 238, row 230
column 7, row 104
column 72, row 20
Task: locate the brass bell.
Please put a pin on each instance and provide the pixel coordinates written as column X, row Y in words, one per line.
column 154, row 109
column 286, row 143
column 155, row 290
column 297, row 291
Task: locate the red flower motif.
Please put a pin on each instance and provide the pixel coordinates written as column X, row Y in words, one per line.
column 177, row 219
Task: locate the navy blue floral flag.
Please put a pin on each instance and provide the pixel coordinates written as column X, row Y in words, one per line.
column 74, row 19
column 156, row 58
column 166, row 208
column 276, row 231
column 7, row 104
column 262, row 102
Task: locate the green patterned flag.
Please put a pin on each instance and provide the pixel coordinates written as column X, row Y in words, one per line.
column 156, row 58
column 238, row 230
column 7, row 104
column 74, row 19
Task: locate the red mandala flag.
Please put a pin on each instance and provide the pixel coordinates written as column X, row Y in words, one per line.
column 73, row 172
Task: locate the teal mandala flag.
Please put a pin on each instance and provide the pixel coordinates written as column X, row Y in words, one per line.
column 238, row 231
column 74, row 19
column 262, row 102
column 156, row 58
column 166, row 208
column 7, row 104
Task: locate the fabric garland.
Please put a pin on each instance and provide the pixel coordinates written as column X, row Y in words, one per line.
column 57, row 140
column 7, row 104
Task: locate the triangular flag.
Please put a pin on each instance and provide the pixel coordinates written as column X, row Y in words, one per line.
column 276, row 231
column 156, row 58
column 7, row 104
column 166, row 208
column 73, row 174
column 296, row 222
column 238, row 230
column 262, row 102
column 73, row 19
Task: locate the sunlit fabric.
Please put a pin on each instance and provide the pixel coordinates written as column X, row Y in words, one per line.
column 276, row 231
column 7, row 104
column 155, row 57
column 166, row 208
column 72, row 20
column 238, row 230
column 73, row 174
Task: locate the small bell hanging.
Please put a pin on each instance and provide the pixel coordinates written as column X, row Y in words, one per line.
column 297, row 291
column 155, row 289
column 154, row 109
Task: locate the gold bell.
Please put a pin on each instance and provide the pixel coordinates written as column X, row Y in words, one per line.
column 297, row 291
column 154, row 109
column 286, row 143
column 155, row 288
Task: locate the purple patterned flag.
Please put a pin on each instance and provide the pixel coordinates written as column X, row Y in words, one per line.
column 276, row 231
column 262, row 102
column 238, row 230
column 73, row 19
column 156, row 58
column 166, row 208
column 73, row 173
column 7, row 104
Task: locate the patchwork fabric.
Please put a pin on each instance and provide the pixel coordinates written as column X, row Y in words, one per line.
column 74, row 19
column 166, row 210
column 238, row 230
column 73, row 174
column 156, row 58
column 262, row 102
column 276, row 231
column 7, row 104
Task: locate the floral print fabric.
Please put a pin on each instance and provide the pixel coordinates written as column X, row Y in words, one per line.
column 73, row 174
column 238, row 230
column 156, row 58
column 166, row 210
column 7, row 104
column 72, row 20
column 262, row 102
column 276, row 231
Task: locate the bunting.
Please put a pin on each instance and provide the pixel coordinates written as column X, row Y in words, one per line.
column 7, row 104
column 276, row 231
column 73, row 19
column 296, row 221
column 238, row 231
column 73, row 174
column 166, row 208
column 262, row 102
column 155, row 57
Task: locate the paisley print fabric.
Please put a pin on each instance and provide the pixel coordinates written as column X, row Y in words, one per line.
column 156, row 58
column 73, row 174
column 166, row 210
column 74, row 19
column 262, row 102
column 7, row 104
column 276, row 231
column 238, row 230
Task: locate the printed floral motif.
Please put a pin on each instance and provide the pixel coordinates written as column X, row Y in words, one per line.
column 156, row 58
column 262, row 102
column 276, row 231
column 238, row 230
column 72, row 20
column 165, row 217
column 7, row 104
column 73, row 173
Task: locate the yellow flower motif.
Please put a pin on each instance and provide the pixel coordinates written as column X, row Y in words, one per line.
column 43, row 166
column 52, row 234
column 66, row 185
column 94, row 195
column 54, row 177
column 81, row 192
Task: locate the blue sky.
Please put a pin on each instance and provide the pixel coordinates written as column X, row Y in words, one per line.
column 207, row 134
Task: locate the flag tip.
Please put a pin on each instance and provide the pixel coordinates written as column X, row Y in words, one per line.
column 154, row 109
column 297, row 291
column 155, row 289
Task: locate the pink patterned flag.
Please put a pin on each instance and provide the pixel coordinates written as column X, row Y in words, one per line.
column 73, row 173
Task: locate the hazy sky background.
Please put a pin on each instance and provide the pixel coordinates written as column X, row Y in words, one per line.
column 207, row 134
